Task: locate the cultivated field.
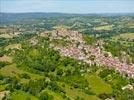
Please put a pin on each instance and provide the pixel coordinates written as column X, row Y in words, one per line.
column 6, row 36
column 13, row 46
column 129, row 36
column 106, row 27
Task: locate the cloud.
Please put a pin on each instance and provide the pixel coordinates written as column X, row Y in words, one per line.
column 67, row 6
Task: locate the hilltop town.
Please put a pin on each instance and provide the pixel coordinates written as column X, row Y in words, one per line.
column 79, row 50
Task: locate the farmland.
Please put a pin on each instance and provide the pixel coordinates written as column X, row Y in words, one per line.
column 126, row 36
column 107, row 28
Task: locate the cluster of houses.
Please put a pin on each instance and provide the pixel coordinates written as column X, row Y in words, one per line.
column 110, row 61
column 83, row 52
column 72, row 52
column 71, row 35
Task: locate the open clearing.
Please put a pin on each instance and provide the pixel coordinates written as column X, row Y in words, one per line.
column 12, row 70
column 7, row 36
column 74, row 93
column 20, row 95
column 106, row 27
column 129, row 36
column 130, row 25
column 56, row 95
column 2, row 87
column 61, row 26
column 13, row 46
column 97, row 85
column 4, row 30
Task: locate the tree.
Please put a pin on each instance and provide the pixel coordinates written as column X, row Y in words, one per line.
column 25, row 75
column 59, row 72
column 45, row 96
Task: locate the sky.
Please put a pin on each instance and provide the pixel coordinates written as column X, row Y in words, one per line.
column 68, row 6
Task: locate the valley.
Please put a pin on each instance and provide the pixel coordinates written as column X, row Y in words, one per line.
column 69, row 57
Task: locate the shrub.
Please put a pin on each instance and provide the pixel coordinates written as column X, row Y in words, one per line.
column 45, row 96
column 24, row 75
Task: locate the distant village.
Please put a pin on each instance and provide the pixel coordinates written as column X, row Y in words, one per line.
column 87, row 53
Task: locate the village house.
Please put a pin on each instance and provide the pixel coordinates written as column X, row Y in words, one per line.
column 130, row 87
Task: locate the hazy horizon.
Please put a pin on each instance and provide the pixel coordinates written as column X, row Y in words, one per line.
column 67, row 6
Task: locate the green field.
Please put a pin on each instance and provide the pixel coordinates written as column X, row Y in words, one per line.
column 57, row 96
column 19, row 95
column 129, row 36
column 61, row 26
column 74, row 93
column 2, row 87
column 130, row 25
column 106, row 27
column 98, row 85
column 12, row 70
